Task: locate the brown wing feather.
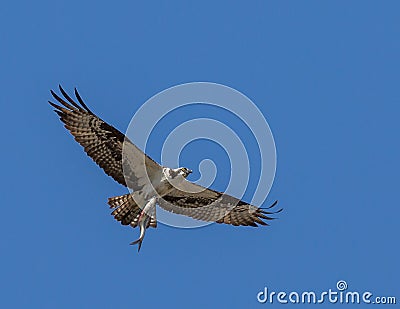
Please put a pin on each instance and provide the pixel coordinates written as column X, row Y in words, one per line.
column 210, row 205
column 102, row 142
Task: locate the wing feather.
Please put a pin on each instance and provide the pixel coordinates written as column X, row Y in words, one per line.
column 104, row 143
column 204, row 204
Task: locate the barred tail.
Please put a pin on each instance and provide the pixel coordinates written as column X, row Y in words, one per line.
column 127, row 211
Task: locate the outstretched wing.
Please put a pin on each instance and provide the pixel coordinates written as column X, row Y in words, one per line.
column 104, row 143
column 205, row 204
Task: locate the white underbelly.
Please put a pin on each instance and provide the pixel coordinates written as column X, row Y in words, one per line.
column 158, row 187
column 148, row 191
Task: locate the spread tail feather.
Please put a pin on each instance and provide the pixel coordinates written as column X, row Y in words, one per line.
column 127, row 211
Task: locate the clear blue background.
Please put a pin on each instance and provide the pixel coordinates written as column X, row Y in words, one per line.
column 324, row 73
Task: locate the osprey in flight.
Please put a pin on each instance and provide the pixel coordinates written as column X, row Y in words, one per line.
column 150, row 182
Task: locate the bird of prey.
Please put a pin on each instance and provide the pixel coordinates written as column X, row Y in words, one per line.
column 150, row 183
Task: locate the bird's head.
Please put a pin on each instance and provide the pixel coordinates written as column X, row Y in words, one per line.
column 184, row 171
column 176, row 173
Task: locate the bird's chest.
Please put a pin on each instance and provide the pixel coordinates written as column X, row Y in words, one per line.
column 158, row 186
column 163, row 187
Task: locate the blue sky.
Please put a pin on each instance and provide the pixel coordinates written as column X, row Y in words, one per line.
column 325, row 75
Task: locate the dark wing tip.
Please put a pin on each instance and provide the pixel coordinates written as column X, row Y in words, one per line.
column 81, row 101
column 57, row 109
column 54, row 105
column 264, row 214
column 273, row 204
column 71, row 104
column 264, row 209
column 62, row 101
column 69, row 98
